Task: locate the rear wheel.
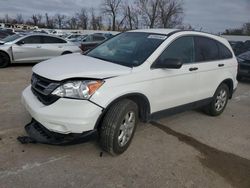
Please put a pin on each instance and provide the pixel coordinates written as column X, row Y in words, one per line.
column 219, row 101
column 118, row 126
column 4, row 60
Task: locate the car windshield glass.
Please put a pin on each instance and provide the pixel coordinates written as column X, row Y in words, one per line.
column 12, row 38
column 128, row 49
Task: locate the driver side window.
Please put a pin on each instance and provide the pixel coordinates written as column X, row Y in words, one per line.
column 181, row 49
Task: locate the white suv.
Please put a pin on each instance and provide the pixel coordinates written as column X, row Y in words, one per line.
column 137, row 75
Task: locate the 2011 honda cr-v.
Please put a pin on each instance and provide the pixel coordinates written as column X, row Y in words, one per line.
column 137, row 75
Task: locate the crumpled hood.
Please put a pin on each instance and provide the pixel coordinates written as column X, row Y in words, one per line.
column 78, row 66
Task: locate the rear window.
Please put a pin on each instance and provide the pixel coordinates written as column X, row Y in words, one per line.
column 49, row 40
column 206, row 49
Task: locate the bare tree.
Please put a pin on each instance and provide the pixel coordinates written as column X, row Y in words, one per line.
column 83, row 18
column 246, row 28
column 131, row 17
column 96, row 21
column 149, row 10
column 49, row 21
column 19, row 19
column 111, row 8
column 171, row 13
column 36, row 18
column 7, row 19
column 72, row 22
column 59, row 18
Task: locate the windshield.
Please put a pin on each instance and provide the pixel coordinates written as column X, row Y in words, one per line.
column 129, row 49
column 12, row 38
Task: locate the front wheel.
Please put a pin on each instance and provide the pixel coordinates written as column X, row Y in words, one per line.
column 118, row 126
column 219, row 101
column 4, row 60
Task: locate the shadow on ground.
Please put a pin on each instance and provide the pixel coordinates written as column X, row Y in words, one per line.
column 235, row 169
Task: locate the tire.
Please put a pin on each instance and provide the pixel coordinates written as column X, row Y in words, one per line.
column 118, row 127
column 67, row 52
column 219, row 101
column 4, row 60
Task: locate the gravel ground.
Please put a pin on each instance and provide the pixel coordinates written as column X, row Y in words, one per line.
column 189, row 149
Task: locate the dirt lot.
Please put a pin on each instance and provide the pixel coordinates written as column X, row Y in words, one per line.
column 189, row 149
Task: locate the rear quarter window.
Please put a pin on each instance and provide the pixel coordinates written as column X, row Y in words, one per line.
column 51, row 40
column 225, row 53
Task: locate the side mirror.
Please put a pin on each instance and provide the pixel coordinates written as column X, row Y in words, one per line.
column 168, row 64
column 21, row 42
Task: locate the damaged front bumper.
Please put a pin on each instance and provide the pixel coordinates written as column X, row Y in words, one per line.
column 37, row 133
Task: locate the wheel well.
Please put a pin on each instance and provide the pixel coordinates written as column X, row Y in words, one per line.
column 66, row 52
column 141, row 101
column 229, row 83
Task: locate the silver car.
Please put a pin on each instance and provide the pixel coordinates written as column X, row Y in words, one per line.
column 27, row 48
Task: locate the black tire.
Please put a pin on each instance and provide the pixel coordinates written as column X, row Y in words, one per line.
column 67, row 52
column 213, row 108
column 112, row 123
column 4, row 60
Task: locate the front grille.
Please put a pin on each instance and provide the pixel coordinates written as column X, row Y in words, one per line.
column 42, row 89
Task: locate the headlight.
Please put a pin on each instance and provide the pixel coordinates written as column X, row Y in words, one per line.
column 78, row 89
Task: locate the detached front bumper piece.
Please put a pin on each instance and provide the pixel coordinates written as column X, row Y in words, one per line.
column 39, row 134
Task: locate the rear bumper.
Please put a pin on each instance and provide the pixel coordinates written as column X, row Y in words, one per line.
column 64, row 116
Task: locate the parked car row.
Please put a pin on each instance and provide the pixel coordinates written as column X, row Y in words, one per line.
column 37, row 46
column 25, row 48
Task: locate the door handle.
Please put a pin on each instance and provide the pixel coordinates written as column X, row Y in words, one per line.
column 193, row 68
column 39, row 47
column 60, row 46
column 221, row 65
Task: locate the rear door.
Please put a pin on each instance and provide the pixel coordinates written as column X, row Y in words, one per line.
column 28, row 49
column 53, row 46
column 212, row 63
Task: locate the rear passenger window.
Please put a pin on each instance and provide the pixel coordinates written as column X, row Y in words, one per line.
column 49, row 40
column 206, row 49
column 225, row 53
column 181, row 49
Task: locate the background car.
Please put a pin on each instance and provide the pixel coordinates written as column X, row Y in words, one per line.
column 5, row 32
column 243, row 65
column 78, row 40
column 240, row 47
column 93, row 40
column 25, row 48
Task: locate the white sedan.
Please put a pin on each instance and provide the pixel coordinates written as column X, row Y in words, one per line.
column 30, row 48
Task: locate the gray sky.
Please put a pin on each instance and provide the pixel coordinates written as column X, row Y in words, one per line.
column 210, row 15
